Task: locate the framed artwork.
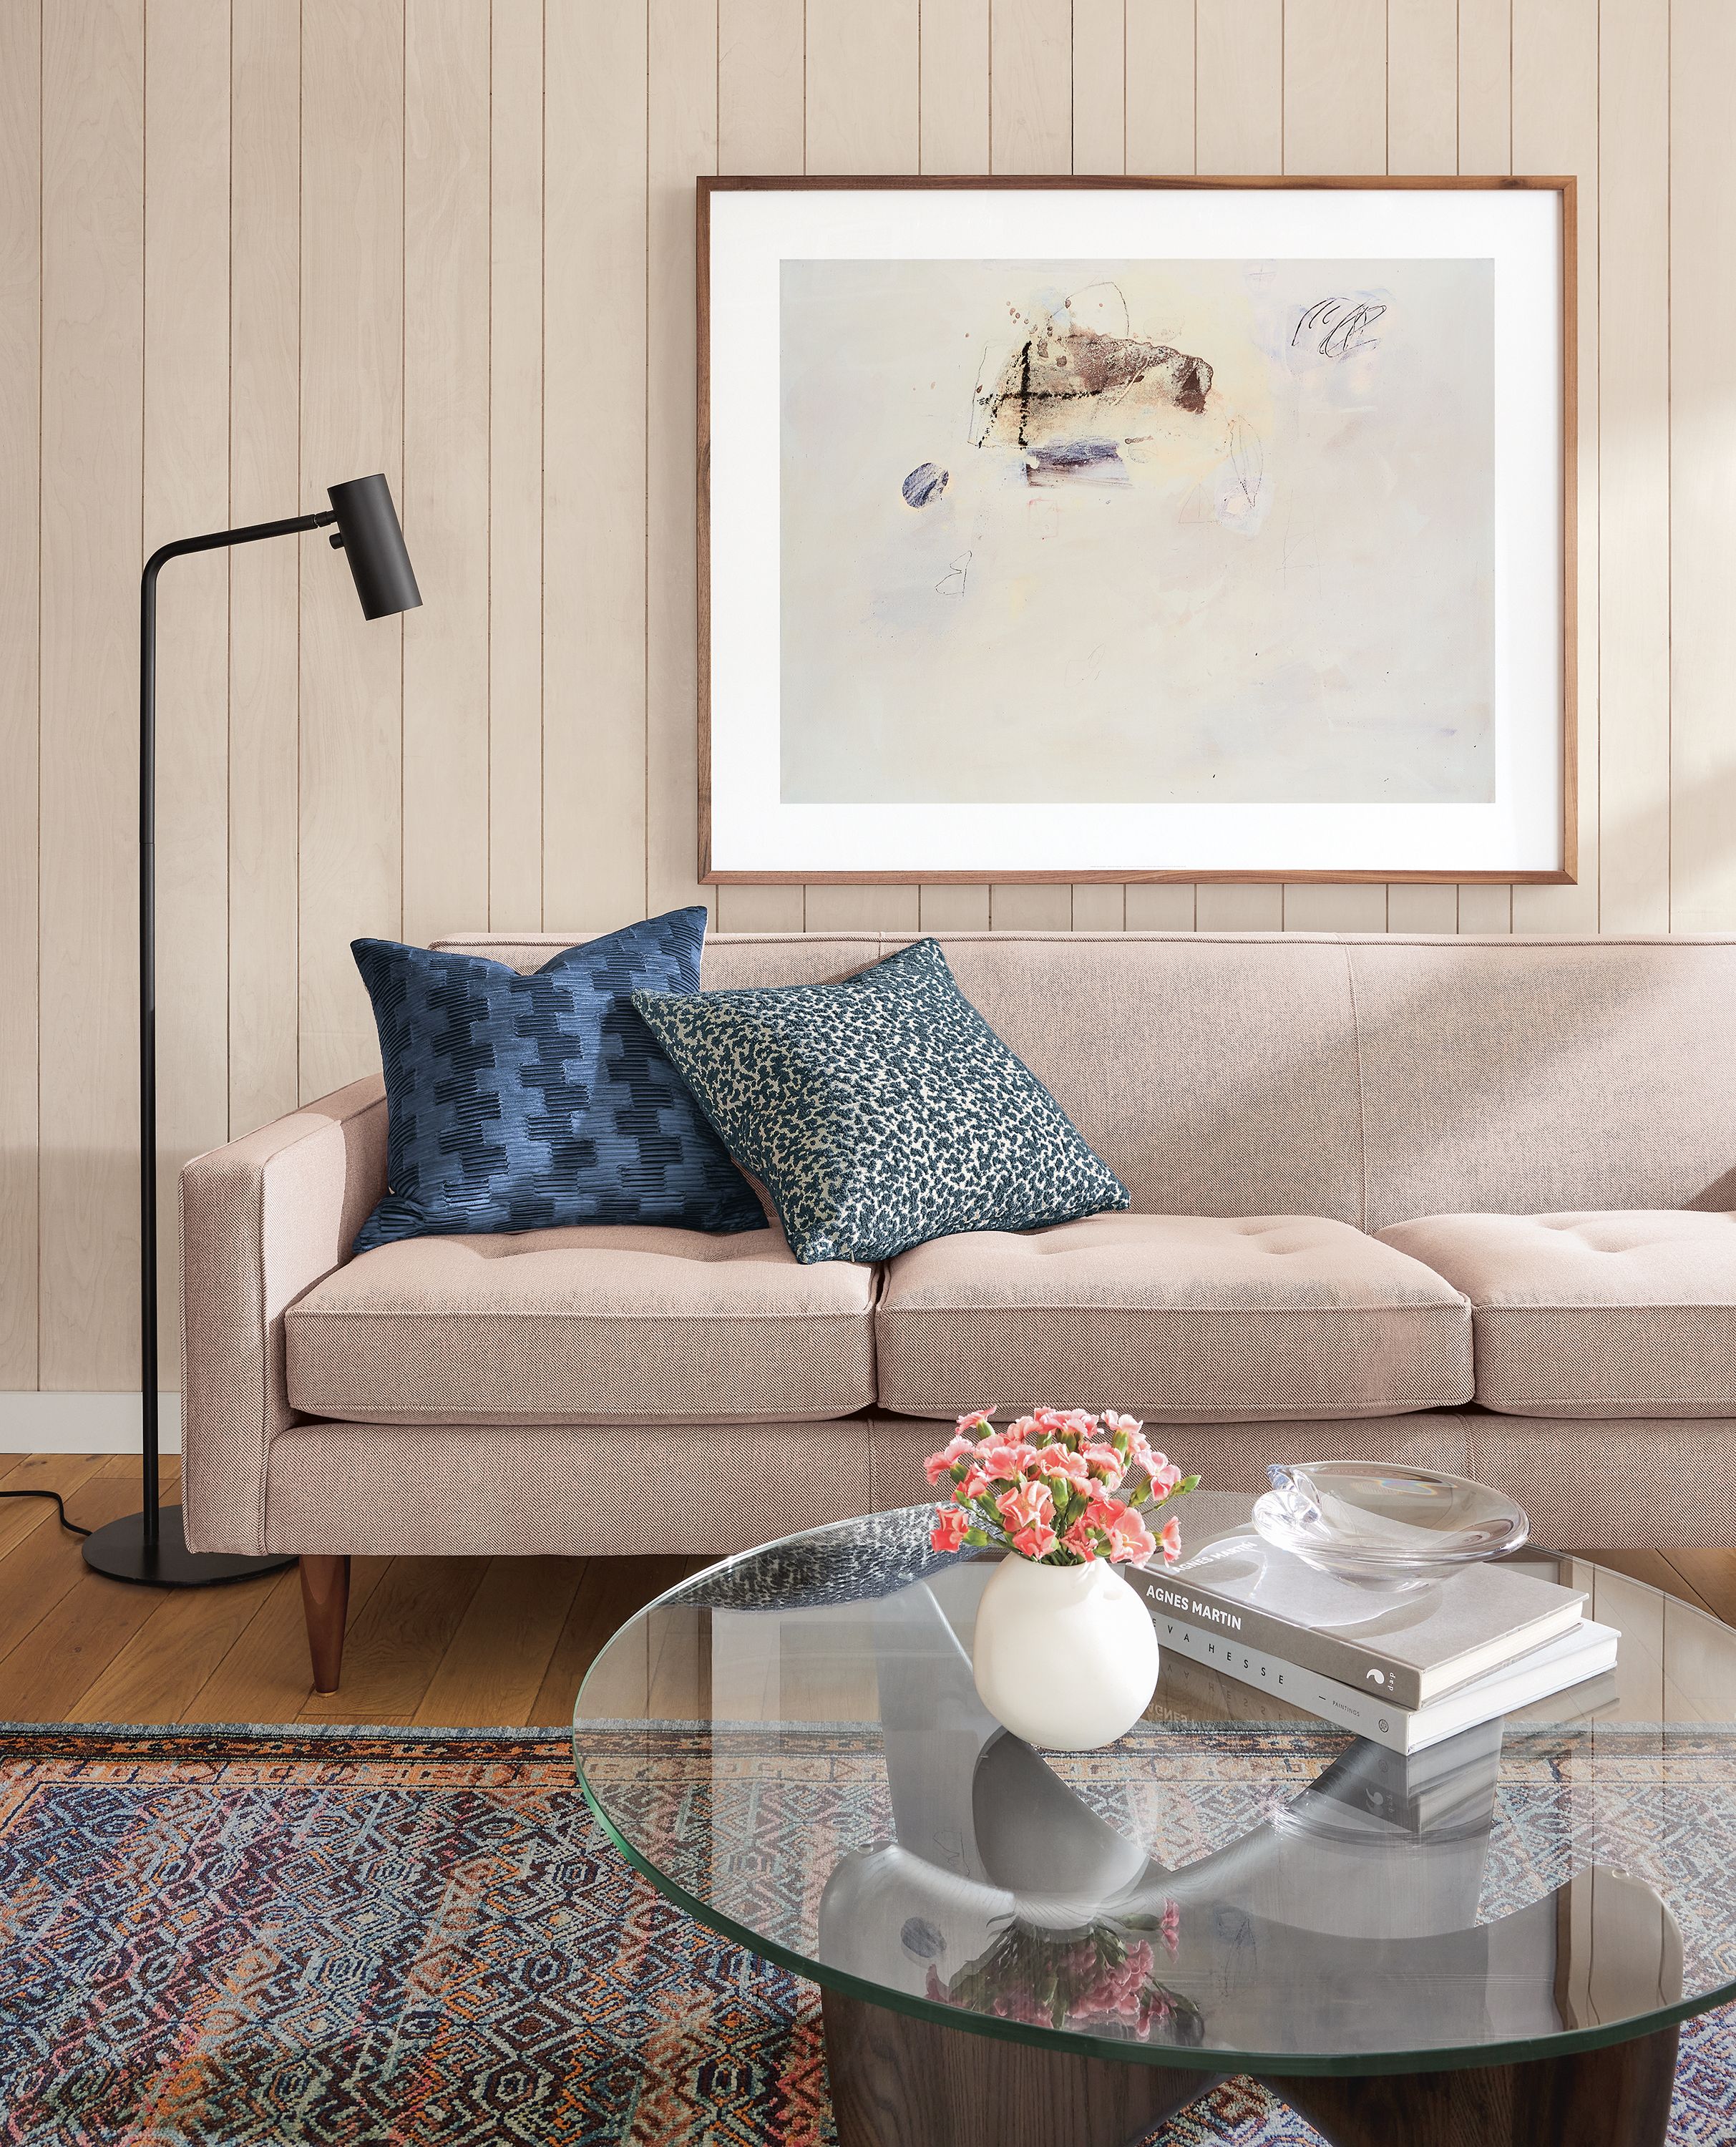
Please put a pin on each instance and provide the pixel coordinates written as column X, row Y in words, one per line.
column 1144, row 529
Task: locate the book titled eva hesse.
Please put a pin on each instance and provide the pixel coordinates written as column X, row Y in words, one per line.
column 1404, row 1647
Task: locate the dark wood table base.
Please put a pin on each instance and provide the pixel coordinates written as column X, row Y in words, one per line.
column 899, row 2082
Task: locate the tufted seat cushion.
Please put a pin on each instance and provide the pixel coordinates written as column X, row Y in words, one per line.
column 1176, row 1318
column 589, row 1324
column 1630, row 1312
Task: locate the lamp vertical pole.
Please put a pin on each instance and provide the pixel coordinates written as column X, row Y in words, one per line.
column 148, row 1370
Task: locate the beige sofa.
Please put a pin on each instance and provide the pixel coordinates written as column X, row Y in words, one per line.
column 1456, row 1202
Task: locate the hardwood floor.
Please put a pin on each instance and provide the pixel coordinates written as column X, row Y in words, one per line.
column 448, row 1642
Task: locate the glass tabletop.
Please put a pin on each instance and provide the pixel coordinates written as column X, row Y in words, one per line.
column 790, row 1745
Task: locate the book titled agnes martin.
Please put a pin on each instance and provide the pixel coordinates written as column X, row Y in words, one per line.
column 1407, row 1650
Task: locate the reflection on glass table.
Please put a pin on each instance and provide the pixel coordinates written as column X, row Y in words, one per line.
column 791, row 1745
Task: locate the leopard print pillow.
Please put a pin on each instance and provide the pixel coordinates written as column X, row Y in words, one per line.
column 881, row 1111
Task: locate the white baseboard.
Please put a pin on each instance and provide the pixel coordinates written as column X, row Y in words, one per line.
column 81, row 1424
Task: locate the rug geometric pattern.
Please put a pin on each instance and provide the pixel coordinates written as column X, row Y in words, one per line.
column 212, row 1939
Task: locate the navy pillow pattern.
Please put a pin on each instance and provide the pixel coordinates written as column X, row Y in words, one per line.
column 881, row 1111
column 518, row 1102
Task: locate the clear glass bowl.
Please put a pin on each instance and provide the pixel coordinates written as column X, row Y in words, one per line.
column 1365, row 1520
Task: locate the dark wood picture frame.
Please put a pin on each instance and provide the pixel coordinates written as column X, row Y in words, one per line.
column 1568, row 871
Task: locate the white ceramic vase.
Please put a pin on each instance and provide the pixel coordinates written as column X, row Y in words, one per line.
column 1064, row 1656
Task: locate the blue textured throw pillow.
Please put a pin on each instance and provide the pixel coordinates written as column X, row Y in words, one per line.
column 882, row 1111
column 520, row 1102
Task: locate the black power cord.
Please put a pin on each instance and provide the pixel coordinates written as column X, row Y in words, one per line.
column 70, row 1527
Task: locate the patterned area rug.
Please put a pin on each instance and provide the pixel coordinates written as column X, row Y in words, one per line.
column 354, row 1937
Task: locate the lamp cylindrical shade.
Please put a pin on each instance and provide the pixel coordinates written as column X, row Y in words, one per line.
column 373, row 543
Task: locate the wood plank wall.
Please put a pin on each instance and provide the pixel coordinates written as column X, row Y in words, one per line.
column 247, row 250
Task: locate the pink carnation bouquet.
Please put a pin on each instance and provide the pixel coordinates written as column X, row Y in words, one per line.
column 1059, row 1487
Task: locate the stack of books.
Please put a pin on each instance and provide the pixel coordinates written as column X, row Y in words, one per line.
column 1403, row 1668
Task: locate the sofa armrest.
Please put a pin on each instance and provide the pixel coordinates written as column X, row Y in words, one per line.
column 262, row 1221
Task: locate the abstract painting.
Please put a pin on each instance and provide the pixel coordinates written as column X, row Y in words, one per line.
column 1179, row 549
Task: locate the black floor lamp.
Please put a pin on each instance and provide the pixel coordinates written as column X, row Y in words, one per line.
column 151, row 1545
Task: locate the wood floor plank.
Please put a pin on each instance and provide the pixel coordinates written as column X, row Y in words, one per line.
column 493, row 1670
column 65, row 1473
column 609, row 1592
column 57, row 1617
column 393, row 1649
column 265, row 1676
column 1653, row 1567
column 173, row 1653
column 58, row 1660
column 1712, row 1575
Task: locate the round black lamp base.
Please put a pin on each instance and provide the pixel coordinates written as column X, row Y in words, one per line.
column 120, row 1550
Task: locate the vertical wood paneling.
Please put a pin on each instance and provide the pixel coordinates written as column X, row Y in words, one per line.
column 265, row 484
column 1485, row 87
column 1159, row 86
column 1232, row 906
column 1702, row 453
column 1484, row 908
column 1422, row 86
column 21, row 167
column 515, row 467
column 1335, row 85
column 865, row 909
column 1040, row 906
column 1099, row 906
column 92, row 447
column 1318, row 906
column 1422, row 907
column 761, row 126
column 446, row 490
column 186, row 491
column 1160, row 905
column 593, row 498
column 1099, row 85
column 954, row 62
column 1031, row 86
column 761, row 93
column 1556, row 129
column 1238, row 86
column 1634, row 463
column 950, row 908
column 351, row 678
column 682, row 142
column 864, row 95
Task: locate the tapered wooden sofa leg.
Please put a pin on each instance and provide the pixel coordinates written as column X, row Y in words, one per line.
column 325, row 1600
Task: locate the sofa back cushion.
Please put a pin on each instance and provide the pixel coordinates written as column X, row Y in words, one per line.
column 1528, row 1077
column 1365, row 1078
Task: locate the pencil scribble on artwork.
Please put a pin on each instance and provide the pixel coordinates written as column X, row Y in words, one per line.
column 1340, row 326
column 1247, row 461
column 924, row 485
column 952, row 581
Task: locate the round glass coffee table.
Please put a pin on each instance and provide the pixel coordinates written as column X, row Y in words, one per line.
column 1490, row 1942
